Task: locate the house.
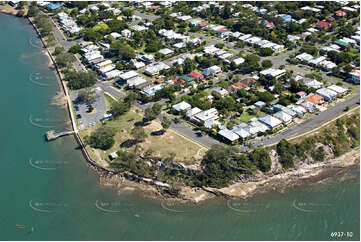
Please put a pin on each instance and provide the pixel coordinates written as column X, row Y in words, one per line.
column 53, row 6
column 341, row 43
column 190, row 113
column 238, row 61
column 155, row 69
column 112, row 74
column 220, row 92
column 340, row 90
column 304, row 57
column 137, row 82
column 301, row 94
column 128, row 75
column 310, row 107
column 211, row 71
column 241, row 132
column 228, row 136
column 179, row 45
column 354, row 76
column 196, row 75
column 299, row 110
column 314, row 99
column 316, row 61
column 166, row 51
column 314, row 84
column 323, row 25
column 279, row 107
column 327, row 94
column 180, row 107
column 126, row 33
column 136, row 64
column 103, row 64
column 115, row 35
column 147, row 58
column 270, row 121
column 327, row 65
column 260, row 104
column 286, row 18
column 273, row 73
column 153, row 8
column 203, row 116
column 283, row 116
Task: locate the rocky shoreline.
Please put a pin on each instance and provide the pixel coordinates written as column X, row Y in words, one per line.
column 303, row 174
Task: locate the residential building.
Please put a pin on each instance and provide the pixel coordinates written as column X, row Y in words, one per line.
column 220, row 92
column 283, row 116
column 228, row 136
column 180, row 107
column 327, row 94
column 270, row 121
column 211, row 71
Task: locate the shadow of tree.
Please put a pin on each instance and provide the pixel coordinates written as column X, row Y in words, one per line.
column 158, row 132
column 128, row 143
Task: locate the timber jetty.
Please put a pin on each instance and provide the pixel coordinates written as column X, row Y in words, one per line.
column 52, row 135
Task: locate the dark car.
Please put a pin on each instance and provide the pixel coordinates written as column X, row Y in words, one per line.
column 78, row 116
column 76, row 108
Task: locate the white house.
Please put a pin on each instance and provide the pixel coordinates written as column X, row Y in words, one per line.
column 283, row 116
column 213, row 70
column 270, row 121
column 182, row 106
column 327, row 94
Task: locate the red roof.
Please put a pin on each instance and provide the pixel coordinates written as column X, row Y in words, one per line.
column 355, row 73
column 159, row 80
column 154, row 7
column 270, row 25
column 179, row 81
column 196, row 75
column 301, row 93
column 203, row 24
column 323, row 24
column 315, row 99
column 340, row 13
column 222, row 30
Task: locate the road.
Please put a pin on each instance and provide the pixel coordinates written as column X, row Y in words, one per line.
column 207, row 141
column 315, row 120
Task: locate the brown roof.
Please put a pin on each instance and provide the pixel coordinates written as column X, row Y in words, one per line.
column 323, row 24
column 315, row 99
column 340, row 13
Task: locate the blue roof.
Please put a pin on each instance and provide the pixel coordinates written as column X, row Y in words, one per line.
column 286, row 17
column 53, row 6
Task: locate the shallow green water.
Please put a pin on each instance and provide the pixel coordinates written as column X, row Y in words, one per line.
column 54, row 196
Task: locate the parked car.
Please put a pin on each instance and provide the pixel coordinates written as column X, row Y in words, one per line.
column 76, row 108
column 78, row 116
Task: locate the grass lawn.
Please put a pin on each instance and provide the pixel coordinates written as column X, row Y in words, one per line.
column 185, row 150
column 245, row 117
column 108, row 101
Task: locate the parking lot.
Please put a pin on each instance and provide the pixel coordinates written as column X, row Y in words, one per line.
column 88, row 119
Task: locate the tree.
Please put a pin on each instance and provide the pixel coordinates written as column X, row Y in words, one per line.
column 79, row 79
column 138, row 133
column 75, row 49
column 149, row 114
column 64, row 59
column 157, row 108
column 266, row 51
column 32, row 12
column 102, row 138
column 267, row 64
column 119, row 108
column 128, row 13
column 86, row 96
column 261, row 159
column 166, row 123
column 58, row 50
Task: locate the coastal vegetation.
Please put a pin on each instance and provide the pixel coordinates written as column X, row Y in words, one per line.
column 223, row 165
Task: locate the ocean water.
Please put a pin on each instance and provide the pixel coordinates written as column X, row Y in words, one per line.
column 49, row 193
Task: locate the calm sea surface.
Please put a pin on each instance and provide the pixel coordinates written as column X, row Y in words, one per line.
column 48, row 192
